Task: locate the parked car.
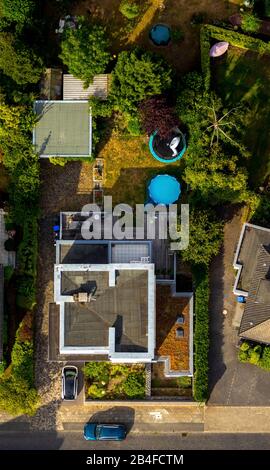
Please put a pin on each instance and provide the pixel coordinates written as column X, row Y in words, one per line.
column 69, row 383
column 104, row 432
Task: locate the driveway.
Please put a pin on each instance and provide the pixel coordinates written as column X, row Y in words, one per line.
column 231, row 382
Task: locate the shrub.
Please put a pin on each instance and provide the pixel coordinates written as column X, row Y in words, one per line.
column 18, row 61
column 201, row 333
column 134, row 385
column 17, row 394
column 19, row 11
column 97, row 370
column 258, row 355
column 100, row 108
column 96, row 391
column 250, row 23
column 198, row 18
column 134, row 126
column 129, row 9
column 85, row 51
column 58, row 161
column 138, row 75
column 205, row 237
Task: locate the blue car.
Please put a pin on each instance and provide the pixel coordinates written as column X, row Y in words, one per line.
column 104, row 432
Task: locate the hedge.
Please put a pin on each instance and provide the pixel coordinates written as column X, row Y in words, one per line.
column 27, row 265
column 201, row 333
column 236, row 39
column 17, row 392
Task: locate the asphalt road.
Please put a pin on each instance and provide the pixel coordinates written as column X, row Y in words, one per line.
column 75, row 441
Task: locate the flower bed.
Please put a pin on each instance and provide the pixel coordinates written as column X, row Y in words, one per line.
column 107, row 381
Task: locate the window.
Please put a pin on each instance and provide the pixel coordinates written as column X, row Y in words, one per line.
column 180, row 333
column 180, row 319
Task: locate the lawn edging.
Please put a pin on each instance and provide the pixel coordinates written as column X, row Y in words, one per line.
column 236, row 39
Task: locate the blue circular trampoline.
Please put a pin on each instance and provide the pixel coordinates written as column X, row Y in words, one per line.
column 164, row 189
column 160, row 35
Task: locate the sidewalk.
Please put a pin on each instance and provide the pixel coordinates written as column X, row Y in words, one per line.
column 233, row 419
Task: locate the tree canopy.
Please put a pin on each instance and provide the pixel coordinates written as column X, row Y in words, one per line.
column 156, row 114
column 17, row 61
column 85, row 51
column 17, row 10
column 215, row 147
column 205, row 237
column 138, row 75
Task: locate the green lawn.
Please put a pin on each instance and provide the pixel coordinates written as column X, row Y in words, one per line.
column 244, row 76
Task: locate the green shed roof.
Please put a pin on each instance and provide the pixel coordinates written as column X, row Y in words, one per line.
column 63, row 129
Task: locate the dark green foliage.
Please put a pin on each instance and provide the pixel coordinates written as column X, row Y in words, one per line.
column 209, row 32
column 17, row 61
column 129, row 9
column 19, row 11
column 205, row 237
column 138, row 75
column 100, row 108
column 257, row 354
column 85, row 51
column 27, row 265
column 177, row 35
column 201, row 333
column 97, row 370
column 17, row 392
column 134, row 385
column 134, row 126
column 262, row 213
column 250, row 23
column 214, row 143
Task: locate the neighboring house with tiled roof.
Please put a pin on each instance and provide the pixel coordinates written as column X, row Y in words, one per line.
column 252, row 260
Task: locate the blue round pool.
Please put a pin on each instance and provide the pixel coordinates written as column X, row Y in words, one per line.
column 164, row 189
column 160, row 35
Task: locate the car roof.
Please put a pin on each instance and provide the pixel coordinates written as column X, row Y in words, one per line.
column 110, row 431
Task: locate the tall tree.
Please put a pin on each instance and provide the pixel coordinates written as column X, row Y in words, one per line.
column 156, row 114
column 19, row 11
column 17, row 61
column 85, row 51
column 138, row 75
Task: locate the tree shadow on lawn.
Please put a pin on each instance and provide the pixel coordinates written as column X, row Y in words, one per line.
column 116, row 415
column 243, row 77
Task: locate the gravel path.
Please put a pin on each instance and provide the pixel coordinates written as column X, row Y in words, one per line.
column 63, row 188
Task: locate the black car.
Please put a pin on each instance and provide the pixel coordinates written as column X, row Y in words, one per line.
column 69, row 383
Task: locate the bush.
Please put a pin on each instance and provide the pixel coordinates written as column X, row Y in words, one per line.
column 129, row 9
column 18, row 61
column 157, row 114
column 85, row 51
column 17, row 394
column 134, row 385
column 96, row 391
column 97, row 370
column 258, row 355
column 138, row 75
column 201, row 333
column 134, row 126
column 19, row 11
column 250, row 23
column 205, row 237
